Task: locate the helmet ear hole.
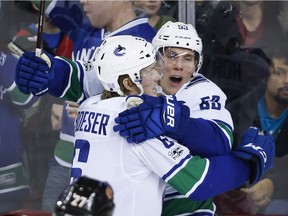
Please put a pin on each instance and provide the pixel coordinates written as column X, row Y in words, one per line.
column 125, row 81
column 102, row 57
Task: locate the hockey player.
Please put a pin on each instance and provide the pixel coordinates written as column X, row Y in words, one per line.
column 137, row 173
column 106, row 19
column 181, row 49
column 209, row 121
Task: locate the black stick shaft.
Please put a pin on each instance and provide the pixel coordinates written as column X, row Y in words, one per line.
column 38, row 50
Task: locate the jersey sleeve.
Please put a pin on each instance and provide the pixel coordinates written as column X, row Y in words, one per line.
column 195, row 177
column 211, row 124
column 67, row 81
column 74, row 80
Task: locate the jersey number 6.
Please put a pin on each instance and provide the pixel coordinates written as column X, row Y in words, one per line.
column 83, row 146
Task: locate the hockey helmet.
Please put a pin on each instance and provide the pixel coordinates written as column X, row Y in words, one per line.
column 179, row 34
column 120, row 55
column 86, row 197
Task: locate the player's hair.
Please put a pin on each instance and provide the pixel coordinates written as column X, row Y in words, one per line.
column 108, row 94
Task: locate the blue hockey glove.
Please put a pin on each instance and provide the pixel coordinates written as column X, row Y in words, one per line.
column 33, row 73
column 259, row 149
column 155, row 116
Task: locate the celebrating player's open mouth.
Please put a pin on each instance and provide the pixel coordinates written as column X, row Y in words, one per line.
column 179, row 67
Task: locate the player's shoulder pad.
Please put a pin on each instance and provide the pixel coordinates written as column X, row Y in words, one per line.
column 199, row 78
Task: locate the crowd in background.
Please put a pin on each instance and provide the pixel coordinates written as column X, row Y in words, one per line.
column 244, row 45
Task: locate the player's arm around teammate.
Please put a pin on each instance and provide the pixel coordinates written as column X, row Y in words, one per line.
column 208, row 122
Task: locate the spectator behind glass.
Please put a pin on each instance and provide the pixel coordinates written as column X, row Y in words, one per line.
column 14, row 187
column 244, row 24
column 266, row 107
column 231, row 28
column 272, row 189
column 261, row 24
column 151, row 10
column 38, row 135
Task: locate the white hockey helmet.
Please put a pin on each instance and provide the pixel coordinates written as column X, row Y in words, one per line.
column 120, row 55
column 179, row 34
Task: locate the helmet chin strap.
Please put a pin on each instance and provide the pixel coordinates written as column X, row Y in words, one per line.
column 158, row 89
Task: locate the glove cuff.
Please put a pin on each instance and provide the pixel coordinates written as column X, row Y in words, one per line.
column 255, row 175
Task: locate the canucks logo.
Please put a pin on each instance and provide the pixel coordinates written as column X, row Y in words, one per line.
column 120, row 51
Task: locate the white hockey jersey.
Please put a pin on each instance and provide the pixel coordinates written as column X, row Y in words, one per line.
column 136, row 172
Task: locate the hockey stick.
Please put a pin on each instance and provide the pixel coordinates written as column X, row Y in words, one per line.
column 38, row 50
column 16, row 49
